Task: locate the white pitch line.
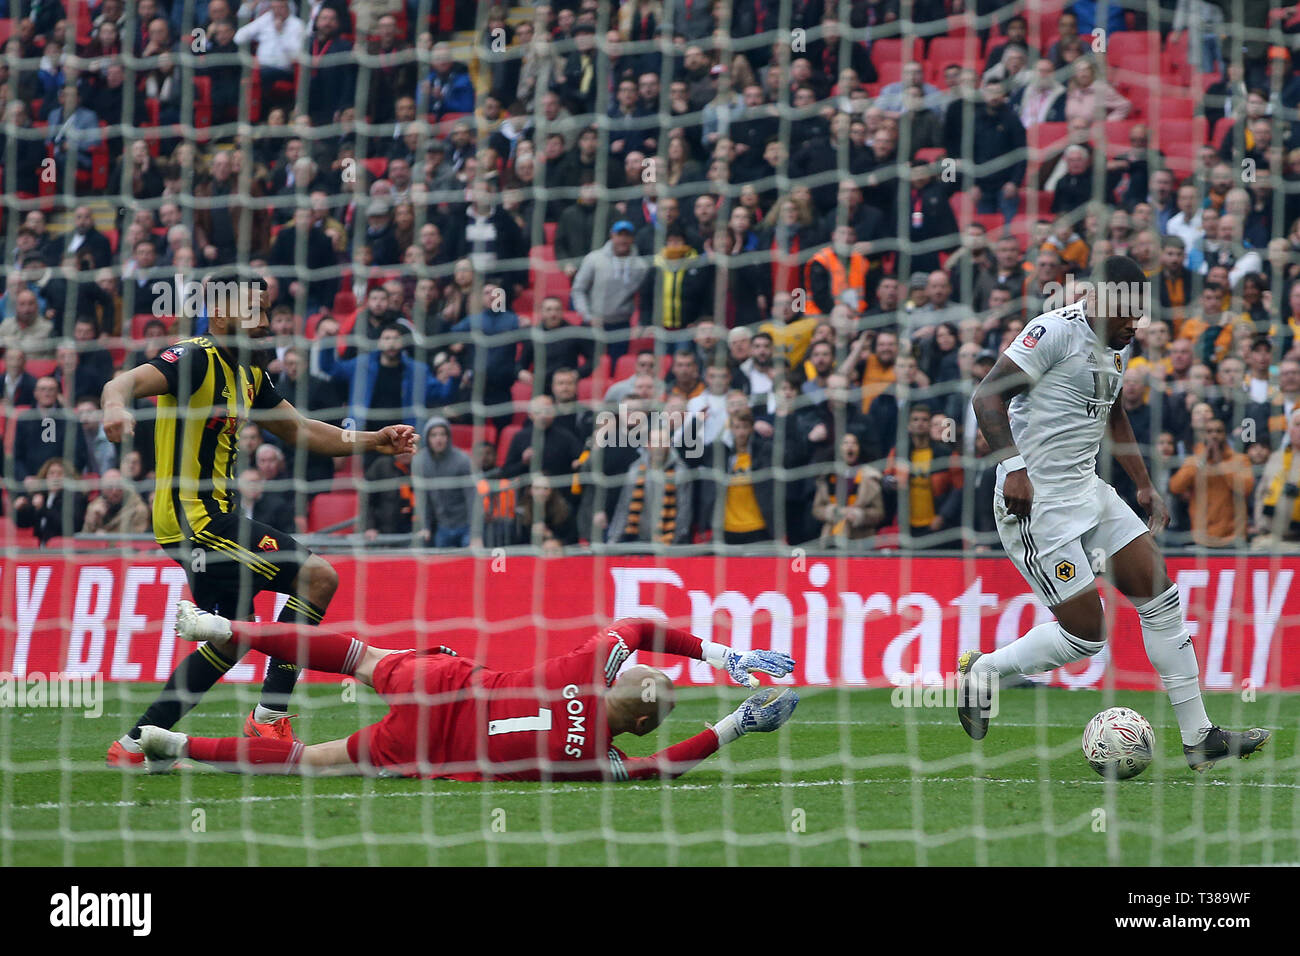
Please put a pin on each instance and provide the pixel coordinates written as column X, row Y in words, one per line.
column 485, row 792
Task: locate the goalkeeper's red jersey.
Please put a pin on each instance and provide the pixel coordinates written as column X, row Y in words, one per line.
column 452, row 718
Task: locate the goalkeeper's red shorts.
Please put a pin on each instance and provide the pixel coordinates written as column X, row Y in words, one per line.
column 430, row 699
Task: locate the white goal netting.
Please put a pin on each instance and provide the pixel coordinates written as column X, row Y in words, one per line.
column 686, row 303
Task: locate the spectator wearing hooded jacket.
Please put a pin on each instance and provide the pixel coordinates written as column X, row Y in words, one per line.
column 444, row 488
column 606, row 287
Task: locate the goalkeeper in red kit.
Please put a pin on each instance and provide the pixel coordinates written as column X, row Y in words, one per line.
column 449, row 717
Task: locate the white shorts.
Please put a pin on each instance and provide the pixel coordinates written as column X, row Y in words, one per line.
column 1059, row 544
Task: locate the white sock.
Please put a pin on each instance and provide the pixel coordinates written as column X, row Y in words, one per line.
column 264, row 716
column 1169, row 648
column 728, row 730
column 129, row 745
column 1046, row 647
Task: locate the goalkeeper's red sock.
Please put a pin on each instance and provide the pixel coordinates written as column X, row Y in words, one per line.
column 315, row 648
column 248, row 754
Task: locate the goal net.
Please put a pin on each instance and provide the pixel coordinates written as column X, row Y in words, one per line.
column 686, row 303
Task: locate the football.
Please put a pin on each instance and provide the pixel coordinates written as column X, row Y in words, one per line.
column 1118, row 743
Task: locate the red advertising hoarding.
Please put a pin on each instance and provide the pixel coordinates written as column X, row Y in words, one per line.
column 860, row 621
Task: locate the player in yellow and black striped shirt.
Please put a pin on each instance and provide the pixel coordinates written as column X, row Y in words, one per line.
column 207, row 387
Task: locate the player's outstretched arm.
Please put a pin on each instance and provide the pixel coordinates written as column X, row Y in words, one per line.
column 1124, row 447
column 761, row 713
column 142, row 381
column 645, row 634
column 320, row 438
column 1004, row 382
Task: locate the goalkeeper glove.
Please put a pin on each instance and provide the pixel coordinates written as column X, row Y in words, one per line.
column 762, row 713
column 741, row 667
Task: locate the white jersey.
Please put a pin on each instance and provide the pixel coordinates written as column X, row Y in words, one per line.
column 1058, row 423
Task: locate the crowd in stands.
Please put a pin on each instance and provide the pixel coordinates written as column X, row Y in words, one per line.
column 652, row 272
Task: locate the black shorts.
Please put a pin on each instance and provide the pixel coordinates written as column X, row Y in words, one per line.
column 235, row 558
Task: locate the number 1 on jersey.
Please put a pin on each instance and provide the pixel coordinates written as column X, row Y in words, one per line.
column 519, row 725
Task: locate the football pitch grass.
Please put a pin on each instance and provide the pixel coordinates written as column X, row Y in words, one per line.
column 852, row 779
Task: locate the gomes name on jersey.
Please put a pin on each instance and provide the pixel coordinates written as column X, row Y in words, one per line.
column 576, row 738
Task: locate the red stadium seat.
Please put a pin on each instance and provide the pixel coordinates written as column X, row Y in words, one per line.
column 153, row 109
column 253, row 92
column 332, row 508
column 1222, row 127
column 11, row 429
column 1046, row 137
column 521, row 393
column 505, row 438
column 6, row 29
column 961, row 208
column 1174, row 63
column 202, row 102
column 314, row 320
column 1184, row 134
column 890, row 53
column 964, row 51
column 1116, row 134
column 1135, row 50
column 597, row 383
column 1181, row 108
column 625, row 367
column 1138, row 95
column 1022, row 228
column 959, row 27
column 140, row 320
column 38, row 368
column 20, row 537
column 442, row 19
column 345, row 301
column 465, row 437
column 1201, row 130
column 84, row 22
column 1043, row 200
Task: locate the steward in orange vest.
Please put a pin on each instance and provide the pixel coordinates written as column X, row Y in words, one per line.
column 830, row 276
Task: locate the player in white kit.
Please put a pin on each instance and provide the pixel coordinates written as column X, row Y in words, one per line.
column 1045, row 406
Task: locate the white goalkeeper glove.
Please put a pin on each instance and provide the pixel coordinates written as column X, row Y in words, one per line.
column 741, row 667
column 762, row 713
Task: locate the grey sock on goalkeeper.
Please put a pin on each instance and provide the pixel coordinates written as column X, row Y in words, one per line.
column 1046, row 647
column 1169, row 648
